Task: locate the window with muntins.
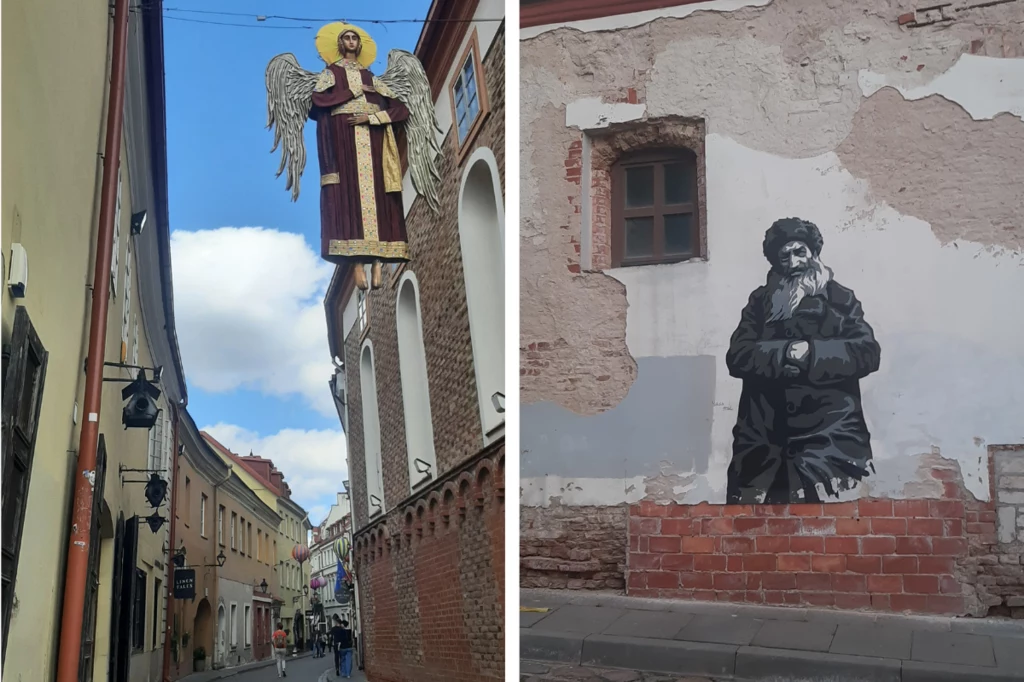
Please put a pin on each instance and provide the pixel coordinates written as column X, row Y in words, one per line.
column 468, row 92
column 467, row 97
column 139, row 615
column 655, row 208
column 116, row 247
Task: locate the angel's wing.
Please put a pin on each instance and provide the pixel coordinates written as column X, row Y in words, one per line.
column 406, row 81
column 289, row 99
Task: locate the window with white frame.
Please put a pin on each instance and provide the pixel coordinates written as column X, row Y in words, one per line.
column 371, row 433
column 220, row 525
column 234, row 625
column 135, row 340
column 126, row 304
column 202, row 514
column 361, row 309
column 248, row 625
column 259, row 544
column 234, row 524
column 412, row 364
column 116, row 247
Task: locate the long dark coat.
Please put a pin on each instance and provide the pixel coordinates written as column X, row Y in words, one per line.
column 359, row 219
column 797, row 427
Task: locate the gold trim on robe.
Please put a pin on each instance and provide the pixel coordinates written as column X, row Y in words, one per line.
column 355, row 106
column 364, row 161
column 359, row 247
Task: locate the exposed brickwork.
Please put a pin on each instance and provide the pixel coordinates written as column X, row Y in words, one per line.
column 995, row 563
column 924, row 556
column 430, row 586
column 573, row 547
column 443, row 545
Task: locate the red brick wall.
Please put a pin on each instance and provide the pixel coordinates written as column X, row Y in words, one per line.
column 938, row 556
column 442, row 549
column 444, row 537
column 883, row 554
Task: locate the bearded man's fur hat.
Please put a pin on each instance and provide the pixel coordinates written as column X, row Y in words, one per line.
column 787, row 230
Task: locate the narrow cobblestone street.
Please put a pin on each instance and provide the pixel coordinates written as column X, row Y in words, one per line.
column 304, row 669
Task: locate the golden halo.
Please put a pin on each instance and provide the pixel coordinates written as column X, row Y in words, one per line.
column 327, row 43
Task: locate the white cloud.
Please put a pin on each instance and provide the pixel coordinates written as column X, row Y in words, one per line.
column 313, row 462
column 249, row 313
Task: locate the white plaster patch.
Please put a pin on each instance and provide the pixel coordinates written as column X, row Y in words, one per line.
column 984, row 86
column 637, row 18
column 541, row 490
column 947, row 318
column 591, row 113
column 1006, row 523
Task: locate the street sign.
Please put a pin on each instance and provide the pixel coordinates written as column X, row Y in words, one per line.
column 185, row 583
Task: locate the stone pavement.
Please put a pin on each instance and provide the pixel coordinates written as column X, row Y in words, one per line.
column 242, row 671
column 590, row 633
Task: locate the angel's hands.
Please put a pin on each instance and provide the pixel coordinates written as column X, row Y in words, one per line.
column 368, row 88
column 359, row 119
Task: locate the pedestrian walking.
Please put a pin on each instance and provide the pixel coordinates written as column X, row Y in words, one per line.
column 280, row 642
column 342, row 638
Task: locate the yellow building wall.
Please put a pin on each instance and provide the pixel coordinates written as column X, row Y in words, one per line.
column 285, row 542
column 53, row 129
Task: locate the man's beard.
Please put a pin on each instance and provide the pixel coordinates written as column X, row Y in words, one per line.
column 790, row 290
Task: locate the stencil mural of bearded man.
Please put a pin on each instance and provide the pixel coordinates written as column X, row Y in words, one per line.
column 801, row 348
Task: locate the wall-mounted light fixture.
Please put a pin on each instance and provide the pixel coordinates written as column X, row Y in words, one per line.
column 138, row 222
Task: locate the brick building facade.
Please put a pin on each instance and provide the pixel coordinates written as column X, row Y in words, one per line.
column 633, row 426
column 423, row 389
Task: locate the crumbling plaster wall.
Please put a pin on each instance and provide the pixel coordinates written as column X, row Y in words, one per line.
column 903, row 144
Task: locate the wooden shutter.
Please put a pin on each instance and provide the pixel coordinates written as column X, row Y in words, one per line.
column 126, row 601
column 85, row 667
column 115, row 598
column 22, row 397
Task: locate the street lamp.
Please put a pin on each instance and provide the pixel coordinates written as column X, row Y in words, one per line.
column 263, row 586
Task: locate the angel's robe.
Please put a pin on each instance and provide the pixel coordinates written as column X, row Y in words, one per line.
column 361, row 214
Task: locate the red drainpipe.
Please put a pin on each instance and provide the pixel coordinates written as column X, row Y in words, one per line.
column 77, row 570
column 166, row 668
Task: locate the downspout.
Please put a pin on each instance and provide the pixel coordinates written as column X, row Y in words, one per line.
column 77, row 571
column 166, row 669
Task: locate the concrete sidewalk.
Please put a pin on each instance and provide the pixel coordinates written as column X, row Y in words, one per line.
column 745, row 642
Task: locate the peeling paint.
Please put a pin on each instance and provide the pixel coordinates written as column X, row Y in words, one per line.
column 638, row 18
column 591, row 113
column 984, row 86
column 544, row 491
column 900, row 145
column 90, row 475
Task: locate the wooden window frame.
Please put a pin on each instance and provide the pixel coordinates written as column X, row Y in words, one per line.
column 234, row 531
column 24, row 382
column 203, row 499
column 139, row 610
column 472, row 48
column 658, row 159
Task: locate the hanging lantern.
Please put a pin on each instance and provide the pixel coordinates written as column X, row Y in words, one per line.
column 341, row 547
column 300, row 553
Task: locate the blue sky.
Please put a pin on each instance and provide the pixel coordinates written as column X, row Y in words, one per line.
column 248, row 280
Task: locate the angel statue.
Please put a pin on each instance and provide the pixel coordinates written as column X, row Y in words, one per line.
column 361, row 215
